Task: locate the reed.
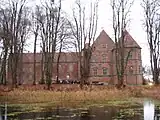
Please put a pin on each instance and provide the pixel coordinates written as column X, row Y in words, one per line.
column 76, row 97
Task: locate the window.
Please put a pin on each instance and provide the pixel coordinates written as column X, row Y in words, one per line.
column 67, row 76
column 104, row 71
column 94, row 71
column 130, row 55
column 140, row 69
column 104, row 58
column 93, row 58
column 104, row 45
column 30, row 77
column 71, row 67
column 139, row 55
column 131, row 69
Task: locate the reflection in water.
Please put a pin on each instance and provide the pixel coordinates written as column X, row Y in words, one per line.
column 3, row 112
column 93, row 113
column 149, row 109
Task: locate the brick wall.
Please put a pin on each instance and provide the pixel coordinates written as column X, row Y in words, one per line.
column 102, row 63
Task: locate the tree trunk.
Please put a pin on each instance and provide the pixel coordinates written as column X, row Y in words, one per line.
column 3, row 69
column 57, row 68
column 20, row 67
column 34, row 65
column 42, row 69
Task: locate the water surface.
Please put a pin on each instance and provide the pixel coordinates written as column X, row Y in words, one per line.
column 147, row 111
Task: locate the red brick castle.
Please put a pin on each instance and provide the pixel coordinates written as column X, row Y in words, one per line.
column 102, row 63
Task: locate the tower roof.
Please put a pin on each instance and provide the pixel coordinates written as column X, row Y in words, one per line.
column 104, row 38
column 104, row 35
column 129, row 41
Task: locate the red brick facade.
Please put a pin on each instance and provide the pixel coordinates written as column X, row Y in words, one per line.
column 102, row 63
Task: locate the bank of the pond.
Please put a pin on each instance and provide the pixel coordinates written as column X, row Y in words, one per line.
column 112, row 110
column 72, row 96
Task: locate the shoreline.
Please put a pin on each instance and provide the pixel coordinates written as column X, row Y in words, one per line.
column 72, row 94
column 33, row 99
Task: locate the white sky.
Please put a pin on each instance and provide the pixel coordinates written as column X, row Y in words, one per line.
column 105, row 22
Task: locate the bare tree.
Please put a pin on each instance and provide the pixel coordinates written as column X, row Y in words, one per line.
column 152, row 24
column 64, row 33
column 35, row 25
column 15, row 30
column 49, row 24
column 84, row 33
column 38, row 24
column 5, row 39
column 24, row 35
column 120, row 12
column 16, row 15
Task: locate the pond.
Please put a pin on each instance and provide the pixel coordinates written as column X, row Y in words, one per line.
column 147, row 111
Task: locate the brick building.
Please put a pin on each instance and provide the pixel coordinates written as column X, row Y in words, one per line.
column 102, row 63
column 133, row 71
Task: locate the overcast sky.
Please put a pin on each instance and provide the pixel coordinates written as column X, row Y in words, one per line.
column 105, row 22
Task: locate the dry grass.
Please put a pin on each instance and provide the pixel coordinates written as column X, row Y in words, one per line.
column 28, row 96
column 74, row 96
